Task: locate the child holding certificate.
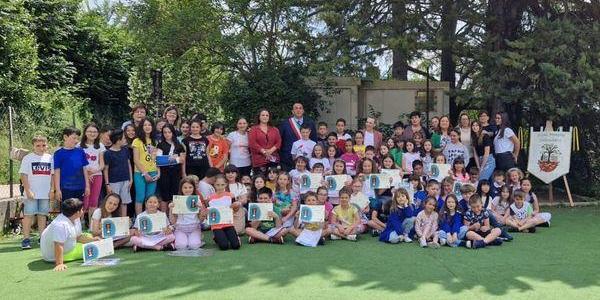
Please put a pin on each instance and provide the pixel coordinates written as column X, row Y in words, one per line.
column 188, row 234
column 298, row 174
column 266, row 230
column 109, row 209
column 224, row 234
column 157, row 240
column 310, row 234
column 339, row 169
column 346, row 219
column 283, row 199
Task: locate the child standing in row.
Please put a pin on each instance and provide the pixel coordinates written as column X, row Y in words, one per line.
column 70, row 178
column 93, row 153
column 36, row 176
column 117, row 169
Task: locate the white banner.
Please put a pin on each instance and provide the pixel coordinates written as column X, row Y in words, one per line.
column 549, row 154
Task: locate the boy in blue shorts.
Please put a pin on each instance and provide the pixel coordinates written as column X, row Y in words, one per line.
column 36, row 176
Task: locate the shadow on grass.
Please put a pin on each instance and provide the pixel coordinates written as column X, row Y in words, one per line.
column 557, row 254
column 40, row 265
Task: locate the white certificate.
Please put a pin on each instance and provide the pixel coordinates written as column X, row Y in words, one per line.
column 312, row 213
column 440, row 171
column 311, row 181
column 98, row 249
column 378, row 181
column 114, row 227
column 394, row 174
column 151, row 223
column 186, row 204
column 335, row 182
column 220, row 215
column 359, row 200
column 259, row 211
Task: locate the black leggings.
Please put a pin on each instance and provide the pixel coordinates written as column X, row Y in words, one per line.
column 226, row 238
column 168, row 183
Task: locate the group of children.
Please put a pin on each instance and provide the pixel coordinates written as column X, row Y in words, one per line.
column 479, row 213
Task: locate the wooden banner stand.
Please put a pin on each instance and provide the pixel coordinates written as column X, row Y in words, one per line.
column 550, row 187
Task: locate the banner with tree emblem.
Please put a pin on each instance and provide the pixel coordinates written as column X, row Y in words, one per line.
column 549, row 154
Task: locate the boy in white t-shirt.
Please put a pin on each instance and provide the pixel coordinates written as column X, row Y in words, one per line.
column 304, row 146
column 36, row 175
column 62, row 240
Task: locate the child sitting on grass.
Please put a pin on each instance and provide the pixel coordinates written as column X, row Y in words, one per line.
column 346, row 219
column 479, row 231
column 155, row 241
column 521, row 214
column 258, row 230
column 400, row 219
column 310, row 234
column 426, row 224
column 109, row 209
column 62, row 240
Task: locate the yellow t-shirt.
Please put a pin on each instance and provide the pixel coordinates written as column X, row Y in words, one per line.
column 145, row 151
column 345, row 216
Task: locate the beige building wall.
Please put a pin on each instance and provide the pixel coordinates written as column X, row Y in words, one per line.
column 349, row 98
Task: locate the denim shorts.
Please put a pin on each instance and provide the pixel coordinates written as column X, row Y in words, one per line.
column 36, row 207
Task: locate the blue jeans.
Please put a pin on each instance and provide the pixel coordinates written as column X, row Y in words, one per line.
column 488, row 170
column 143, row 189
column 460, row 236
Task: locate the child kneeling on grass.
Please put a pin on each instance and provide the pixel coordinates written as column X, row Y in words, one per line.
column 62, row 240
column 346, row 219
column 266, row 231
column 479, row 231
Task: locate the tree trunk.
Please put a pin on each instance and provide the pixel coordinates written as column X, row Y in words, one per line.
column 399, row 54
column 503, row 22
column 448, row 33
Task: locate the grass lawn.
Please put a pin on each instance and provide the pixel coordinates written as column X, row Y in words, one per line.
column 560, row 262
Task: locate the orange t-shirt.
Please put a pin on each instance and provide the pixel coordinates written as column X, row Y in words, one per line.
column 218, row 149
column 219, row 199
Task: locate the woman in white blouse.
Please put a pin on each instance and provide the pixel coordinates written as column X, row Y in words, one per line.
column 239, row 154
column 506, row 144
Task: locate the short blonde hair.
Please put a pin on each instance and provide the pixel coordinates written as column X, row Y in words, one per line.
column 39, row 138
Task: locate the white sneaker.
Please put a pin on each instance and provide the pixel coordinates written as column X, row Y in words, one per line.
column 396, row 239
column 442, row 242
column 423, row 243
column 351, row 237
column 407, row 239
column 335, row 237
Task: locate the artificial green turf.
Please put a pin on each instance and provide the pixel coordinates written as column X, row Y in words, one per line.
column 560, row 262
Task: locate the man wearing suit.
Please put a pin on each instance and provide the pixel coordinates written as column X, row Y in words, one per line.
column 289, row 130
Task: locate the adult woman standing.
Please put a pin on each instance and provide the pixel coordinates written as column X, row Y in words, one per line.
column 264, row 142
column 171, row 114
column 482, row 144
column 464, row 126
column 138, row 113
column 434, row 125
column 440, row 138
column 506, row 144
column 239, row 154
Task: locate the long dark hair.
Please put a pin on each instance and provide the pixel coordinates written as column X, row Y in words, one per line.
column 505, row 123
column 96, row 141
column 258, row 116
column 140, row 134
column 445, row 211
column 174, row 138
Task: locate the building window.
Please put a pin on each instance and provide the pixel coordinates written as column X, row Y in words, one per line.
column 421, row 101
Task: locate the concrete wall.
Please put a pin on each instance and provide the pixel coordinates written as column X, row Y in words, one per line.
column 349, row 98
